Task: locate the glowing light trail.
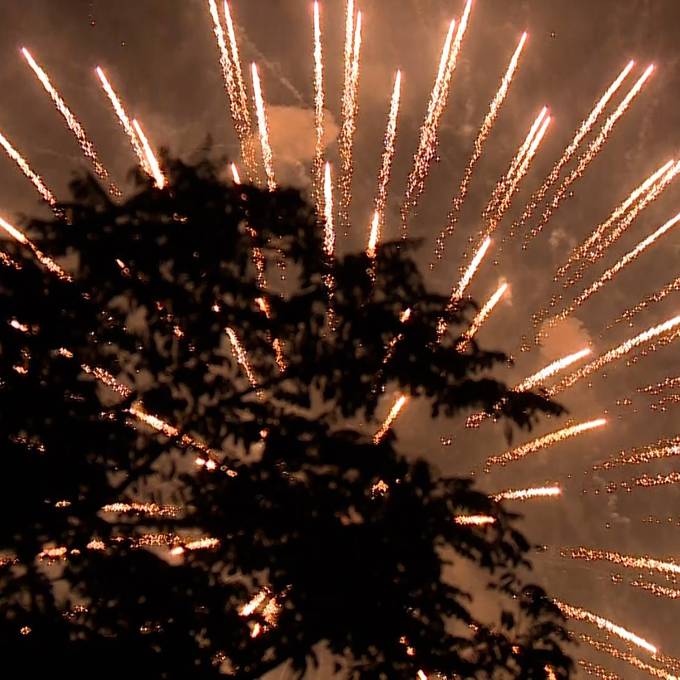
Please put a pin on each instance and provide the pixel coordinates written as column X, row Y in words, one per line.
column 628, row 561
column 151, row 159
column 318, row 111
column 528, row 494
column 241, row 356
column 474, row 520
column 513, row 455
column 481, row 317
column 399, row 404
column 267, row 156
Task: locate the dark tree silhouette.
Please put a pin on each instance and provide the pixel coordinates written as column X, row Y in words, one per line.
column 280, row 496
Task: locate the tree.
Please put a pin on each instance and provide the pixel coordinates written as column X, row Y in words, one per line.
column 263, row 522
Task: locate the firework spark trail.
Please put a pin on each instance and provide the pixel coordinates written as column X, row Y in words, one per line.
column 150, row 509
column 348, row 130
column 474, row 520
column 482, row 136
column 547, row 440
column 239, row 114
column 614, row 354
column 398, row 405
column 481, row 317
column 151, row 159
column 73, row 124
column 528, row 494
column 645, row 482
column 104, row 377
column 244, row 112
column 664, row 448
column 629, row 561
column 592, row 151
column 614, row 270
column 656, row 590
column 583, row 130
column 504, row 182
column 318, row 112
column 597, row 670
column 631, row 312
column 427, row 144
column 606, row 648
column 373, row 236
column 349, row 50
column 550, row 673
column 46, row 261
column 124, row 120
column 267, row 156
column 37, row 181
column 241, row 356
column 329, row 241
column 604, row 624
column 584, row 250
column 388, row 152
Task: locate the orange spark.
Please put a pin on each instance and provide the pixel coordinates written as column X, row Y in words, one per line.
column 474, row 520
column 528, row 494
column 399, row 404
column 267, row 156
column 318, row 111
column 241, row 356
column 481, row 317
column 151, row 159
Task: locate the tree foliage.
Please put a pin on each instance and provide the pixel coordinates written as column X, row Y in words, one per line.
column 352, row 545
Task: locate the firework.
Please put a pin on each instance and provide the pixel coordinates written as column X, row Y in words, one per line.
column 482, row 136
column 73, row 124
column 604, row 624
column 657, row 296
column 124, row 120
column 241, row 356
column 399, row 404
column 551, row 369
column 528, row 494
column 598, row 671
column 37, row 181
column 592, row 151
column 318, row 111
column 664, row 448
column 584, row 250
column 107, row 379
column 656, row 590
column 373, row 236
column 481, row 317
column 151, row 160
column 583, row 130
column 388, row 153
column 46, row 261
column 614, row 354
column 427, row 144
column 267, row 156
column 550, row 673
column 629, row 561
column 470, row 272
column 149, row 509
column 541, row 443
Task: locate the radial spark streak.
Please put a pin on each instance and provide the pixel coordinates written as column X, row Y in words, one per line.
column 551, row 369
column 474, row 520
column 348, row 130
column 583, row 130
column 482, row 136
column 481, row 317
column 124, row 120
column 588, row 156
column 319, row 98
column 513, row 455
column 241, row 356
column 631, row 312
column 663, row 448
column 427, row 144
column 267, row 156
column 73, row 124
column 604, row 624
column 637, row 562
column 397, row 406
column 388, row 153
column 614, row 354
column 585, row 249
column 528, row 494
column 151, row 159
column 629, row 257
column 37, row 181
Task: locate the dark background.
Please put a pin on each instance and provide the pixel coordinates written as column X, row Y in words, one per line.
column 161, row 57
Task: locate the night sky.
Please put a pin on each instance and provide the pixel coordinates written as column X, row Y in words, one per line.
column 162, row 58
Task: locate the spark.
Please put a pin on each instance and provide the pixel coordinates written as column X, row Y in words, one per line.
column 474, row 520
column 482, row 136
column 239, row 113
column 150, row 509
column 528, row 494
column 329, row 227
column 254, row 603
column 234, row 174
column 672, row 287
column 629, row 561
column 592, row 151
column 598, row 671
column 151, row 159
column 398, row 405
column 551, row 369
column 241, row 356
column 37, row 181
column 104, row 377
column 606, row 648
column 427, row 144
column 606, row 625
column 348, row 129
column 318, row 110
column 584, row 129
column 46, row 261
column 267, row 156
column 550, row 673
column 124, row 120
column 656, row 590
column 664, row 448
column 590, row 249
column 374, row 236
column 481, row 317
column 73, row 124
column 388, row 153
column 547, row 440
